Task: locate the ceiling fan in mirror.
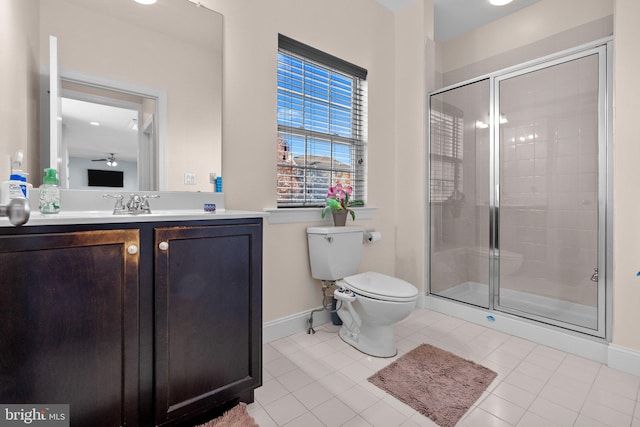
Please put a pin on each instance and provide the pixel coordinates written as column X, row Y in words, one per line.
column 111, row 160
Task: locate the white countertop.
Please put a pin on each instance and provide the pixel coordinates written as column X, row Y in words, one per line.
column 90, row 207
column 102, row 217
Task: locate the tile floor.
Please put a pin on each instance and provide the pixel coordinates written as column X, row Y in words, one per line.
column 318, row 380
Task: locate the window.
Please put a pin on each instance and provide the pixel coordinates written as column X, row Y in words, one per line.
column 321, row 125
column 446, row 154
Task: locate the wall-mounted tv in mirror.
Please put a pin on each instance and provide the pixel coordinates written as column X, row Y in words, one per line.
column 104, row 178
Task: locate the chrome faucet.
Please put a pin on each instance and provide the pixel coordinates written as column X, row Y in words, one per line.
column 594, row 276
column 136, row 205
column 135, row 202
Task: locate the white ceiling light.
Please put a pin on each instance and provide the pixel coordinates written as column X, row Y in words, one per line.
column 145, row 1
column 493, row 2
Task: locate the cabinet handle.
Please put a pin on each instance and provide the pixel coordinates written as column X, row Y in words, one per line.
column 132, row 249
column 163, row 246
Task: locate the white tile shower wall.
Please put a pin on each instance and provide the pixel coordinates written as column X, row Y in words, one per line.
column 549, row 180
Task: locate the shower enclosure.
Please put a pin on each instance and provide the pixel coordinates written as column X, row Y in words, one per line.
column 519, row 188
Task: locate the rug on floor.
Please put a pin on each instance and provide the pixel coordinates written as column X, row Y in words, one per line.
column 234, row 417
column 434, row 382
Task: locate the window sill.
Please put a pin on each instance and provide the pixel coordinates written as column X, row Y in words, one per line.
column 291, row 215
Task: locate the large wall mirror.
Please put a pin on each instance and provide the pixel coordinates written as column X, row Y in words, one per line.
column 139, row 93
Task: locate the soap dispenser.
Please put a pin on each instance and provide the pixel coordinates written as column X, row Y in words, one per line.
column 50, row 192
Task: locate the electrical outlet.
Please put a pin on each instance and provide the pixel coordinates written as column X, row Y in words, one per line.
column 189, row 178
column 212, row 177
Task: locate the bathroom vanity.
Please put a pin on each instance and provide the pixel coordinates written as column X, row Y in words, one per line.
column 132, row 320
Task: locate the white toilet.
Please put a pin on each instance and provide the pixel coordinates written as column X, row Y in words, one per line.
column 369, row 304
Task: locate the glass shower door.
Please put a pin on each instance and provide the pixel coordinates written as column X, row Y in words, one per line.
column 459, row 168
column 550, row 141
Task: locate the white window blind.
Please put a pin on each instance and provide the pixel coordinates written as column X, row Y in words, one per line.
column 446, row 155
column 321, row 125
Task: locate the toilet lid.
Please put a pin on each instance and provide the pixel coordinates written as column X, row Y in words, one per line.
column 380, row 286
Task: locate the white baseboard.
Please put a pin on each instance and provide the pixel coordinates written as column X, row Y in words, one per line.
column 289, row 325
column 292, row 324
column 624, row 359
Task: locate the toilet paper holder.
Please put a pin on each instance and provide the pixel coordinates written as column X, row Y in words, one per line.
column 371, row 236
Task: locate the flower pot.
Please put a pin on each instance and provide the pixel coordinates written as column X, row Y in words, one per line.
column 339, row 217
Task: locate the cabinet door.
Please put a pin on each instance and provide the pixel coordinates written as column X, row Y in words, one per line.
column 208, row 317
column 69, row 324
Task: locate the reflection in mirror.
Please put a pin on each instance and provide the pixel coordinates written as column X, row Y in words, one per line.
column 118, row 55
column 109, row 130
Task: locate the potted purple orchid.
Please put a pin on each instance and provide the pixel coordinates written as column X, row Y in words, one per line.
column 338, row 201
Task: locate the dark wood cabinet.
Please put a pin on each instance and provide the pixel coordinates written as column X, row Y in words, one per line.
column 208, row 306
column 101, row 318
column 69, row 323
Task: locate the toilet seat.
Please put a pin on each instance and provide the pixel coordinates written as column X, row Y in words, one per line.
column 381, row 287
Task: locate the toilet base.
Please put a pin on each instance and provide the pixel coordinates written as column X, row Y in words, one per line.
column 374, row 340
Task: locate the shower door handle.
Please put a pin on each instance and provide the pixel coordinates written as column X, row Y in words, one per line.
column 594, row 276
column 494, row 228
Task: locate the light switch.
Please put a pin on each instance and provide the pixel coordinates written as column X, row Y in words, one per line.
column 189, row 178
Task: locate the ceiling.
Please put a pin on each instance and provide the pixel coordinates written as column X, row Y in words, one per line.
column 113, row 133
column 456, row 17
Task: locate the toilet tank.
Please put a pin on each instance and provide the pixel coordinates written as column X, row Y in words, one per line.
column 334, row 252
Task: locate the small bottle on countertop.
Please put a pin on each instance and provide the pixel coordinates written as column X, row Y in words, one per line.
column 50, row 192
column 14, row 187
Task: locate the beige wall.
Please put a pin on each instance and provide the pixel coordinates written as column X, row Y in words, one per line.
column 361, row 32
column 626, row 151
column 19, row 84
column 505, row 42
column 533, row 23
column 414, row 27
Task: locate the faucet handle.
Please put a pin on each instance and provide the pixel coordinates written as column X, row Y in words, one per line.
column 145, row 202
column 119, row 204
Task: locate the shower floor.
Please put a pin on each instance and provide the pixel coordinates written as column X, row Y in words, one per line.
column 550, row 308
